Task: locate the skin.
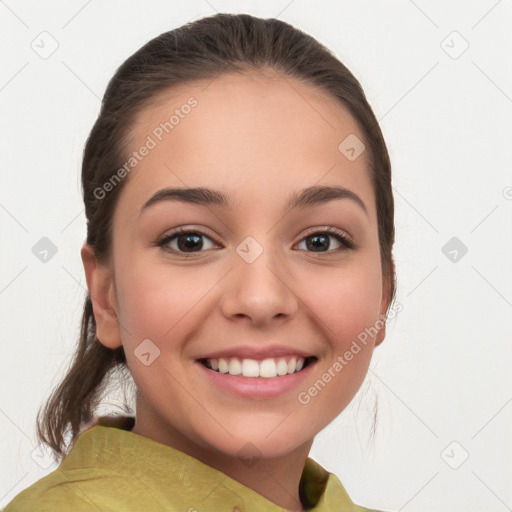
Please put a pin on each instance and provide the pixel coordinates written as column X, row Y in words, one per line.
column 257, row 139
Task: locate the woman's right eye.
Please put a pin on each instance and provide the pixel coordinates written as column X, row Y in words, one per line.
column 186, row 242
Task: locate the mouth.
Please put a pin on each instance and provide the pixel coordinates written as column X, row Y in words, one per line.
column 251, row 368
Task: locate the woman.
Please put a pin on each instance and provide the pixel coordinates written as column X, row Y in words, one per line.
column 238, row 195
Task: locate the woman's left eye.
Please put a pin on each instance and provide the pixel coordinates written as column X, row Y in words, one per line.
column 320, row 241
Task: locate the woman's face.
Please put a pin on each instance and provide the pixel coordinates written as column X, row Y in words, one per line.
column 258, row 278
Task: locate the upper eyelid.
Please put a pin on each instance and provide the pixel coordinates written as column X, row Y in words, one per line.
column 186, row 231
column 331, row 230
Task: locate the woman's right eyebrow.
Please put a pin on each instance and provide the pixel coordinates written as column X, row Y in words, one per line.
column 311, row 196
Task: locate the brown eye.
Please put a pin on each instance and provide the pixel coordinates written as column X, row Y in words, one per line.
column 187, row 242
column 326, row 241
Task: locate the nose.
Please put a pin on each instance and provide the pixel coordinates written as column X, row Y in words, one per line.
column 259, row 292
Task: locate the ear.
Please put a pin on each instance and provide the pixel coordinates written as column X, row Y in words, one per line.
column 384, row 305
column 102, row 293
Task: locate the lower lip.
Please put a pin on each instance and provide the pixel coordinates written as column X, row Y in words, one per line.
column 257, row 387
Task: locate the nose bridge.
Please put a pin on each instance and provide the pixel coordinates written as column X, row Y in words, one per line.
column 258, row 286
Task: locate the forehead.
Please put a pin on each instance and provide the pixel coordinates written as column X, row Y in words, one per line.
column 252, row 136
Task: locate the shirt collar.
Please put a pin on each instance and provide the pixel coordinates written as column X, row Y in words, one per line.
column 110, row 446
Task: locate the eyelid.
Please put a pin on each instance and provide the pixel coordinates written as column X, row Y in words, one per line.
column 330, row 230
column 166, row 238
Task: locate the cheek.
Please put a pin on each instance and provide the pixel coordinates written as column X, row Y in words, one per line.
column 158, row 304
column 167, row 306
column 150, row 305
column 345, row 302
column 346, row 308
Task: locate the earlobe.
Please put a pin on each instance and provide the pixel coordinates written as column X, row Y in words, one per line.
column 381, row 322
column 384, row 306
column 379, row 338
column 101, row 290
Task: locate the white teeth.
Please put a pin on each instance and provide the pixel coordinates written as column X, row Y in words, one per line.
column 250, row 368
column 235, row 367
column 223, row 366
column 268, row 368
column 282, row 367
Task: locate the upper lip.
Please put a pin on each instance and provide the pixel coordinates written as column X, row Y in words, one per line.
column 251, row 352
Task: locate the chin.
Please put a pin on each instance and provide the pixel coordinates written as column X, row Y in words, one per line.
column 255, row 442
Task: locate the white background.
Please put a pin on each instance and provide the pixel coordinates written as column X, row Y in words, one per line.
column 443, row 373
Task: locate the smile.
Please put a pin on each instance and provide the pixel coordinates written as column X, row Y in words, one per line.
column 267, row 368
column 257, row 379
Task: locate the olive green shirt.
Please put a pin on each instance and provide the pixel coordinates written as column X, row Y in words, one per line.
column 110, row 468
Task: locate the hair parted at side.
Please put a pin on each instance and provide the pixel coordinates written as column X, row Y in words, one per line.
column 199, row 50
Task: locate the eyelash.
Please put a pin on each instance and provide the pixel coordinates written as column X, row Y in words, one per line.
column 346, row 242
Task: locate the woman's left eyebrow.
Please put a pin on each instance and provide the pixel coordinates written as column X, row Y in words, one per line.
column 311, row 196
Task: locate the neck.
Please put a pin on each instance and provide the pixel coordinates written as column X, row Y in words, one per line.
column 276, row 479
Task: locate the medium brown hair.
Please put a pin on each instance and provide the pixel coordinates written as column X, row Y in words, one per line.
column 200, row 50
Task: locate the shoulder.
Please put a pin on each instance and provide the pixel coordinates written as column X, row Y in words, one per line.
column 37, row 498
column 323, row 490
column 82, row 490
